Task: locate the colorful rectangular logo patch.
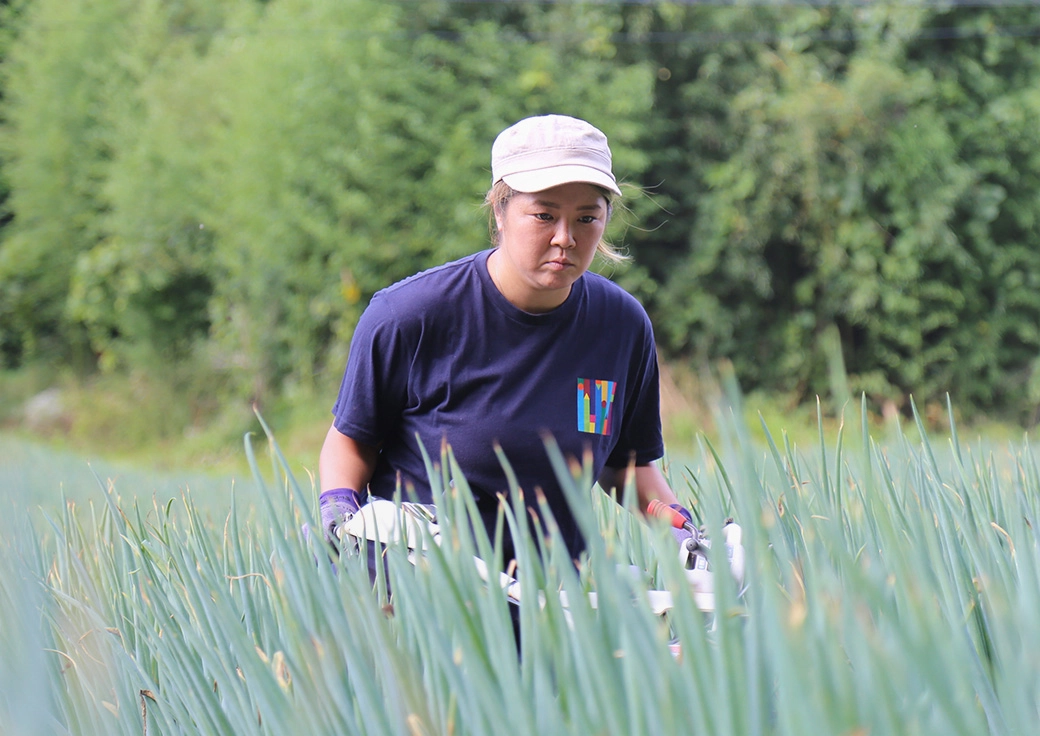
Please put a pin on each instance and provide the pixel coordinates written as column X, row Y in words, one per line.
column 594, row 401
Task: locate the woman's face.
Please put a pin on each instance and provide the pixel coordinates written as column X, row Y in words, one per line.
column 546, row 241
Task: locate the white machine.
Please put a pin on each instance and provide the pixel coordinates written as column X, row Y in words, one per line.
column 385, row 522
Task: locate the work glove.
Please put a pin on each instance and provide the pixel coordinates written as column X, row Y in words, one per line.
column 683, row 534
column 336, row 506
column 684, row 531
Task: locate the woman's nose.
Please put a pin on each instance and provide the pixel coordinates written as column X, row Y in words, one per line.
column 563, row 236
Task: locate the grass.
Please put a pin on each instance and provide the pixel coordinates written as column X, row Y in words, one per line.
column 171, row 420
column 893, row 585
column 175, row 419
column 37, row 476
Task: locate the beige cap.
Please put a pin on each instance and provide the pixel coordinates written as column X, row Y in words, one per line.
column 545, row 151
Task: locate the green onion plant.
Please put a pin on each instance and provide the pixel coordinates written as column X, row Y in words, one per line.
column 892, row 587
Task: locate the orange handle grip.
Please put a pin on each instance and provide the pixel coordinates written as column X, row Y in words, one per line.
column 662, row 510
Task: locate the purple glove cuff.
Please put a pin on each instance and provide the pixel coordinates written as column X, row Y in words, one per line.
column 681, row 535
column 336, row 505
column 340, row 495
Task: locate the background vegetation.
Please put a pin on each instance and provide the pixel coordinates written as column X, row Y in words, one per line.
column 200, row 197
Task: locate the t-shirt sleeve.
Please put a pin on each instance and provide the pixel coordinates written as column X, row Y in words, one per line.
column 641, row 423
column 375, row 383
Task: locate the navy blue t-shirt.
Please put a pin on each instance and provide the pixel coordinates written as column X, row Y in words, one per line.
column 443, row 355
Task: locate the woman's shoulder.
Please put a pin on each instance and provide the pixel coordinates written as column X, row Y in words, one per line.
column 435, row 275
column 422, row 293
column 610, row 295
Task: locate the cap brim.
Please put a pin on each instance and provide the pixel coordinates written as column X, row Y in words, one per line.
column 542, row 179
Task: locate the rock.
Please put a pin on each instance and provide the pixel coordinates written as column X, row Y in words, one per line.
column 45, row 411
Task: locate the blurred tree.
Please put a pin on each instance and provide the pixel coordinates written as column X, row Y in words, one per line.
column 985, row 62
column 824, row 179
column 143, row 289
column 60, row 76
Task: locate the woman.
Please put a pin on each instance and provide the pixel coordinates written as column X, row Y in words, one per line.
column 504, row 346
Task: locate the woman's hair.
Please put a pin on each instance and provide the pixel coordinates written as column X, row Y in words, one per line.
column 499, row 194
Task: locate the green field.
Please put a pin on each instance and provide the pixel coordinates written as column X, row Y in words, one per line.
column 37, row 475
column 893, row 587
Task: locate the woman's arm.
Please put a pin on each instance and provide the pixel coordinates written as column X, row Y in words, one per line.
column 345, row 463
column 649, row 482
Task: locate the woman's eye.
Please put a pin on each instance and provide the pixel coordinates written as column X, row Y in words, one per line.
column 543, row 216
column 587, row 219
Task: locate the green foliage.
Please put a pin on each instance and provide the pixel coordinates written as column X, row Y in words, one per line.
column 846, row 175
column 61, row 75
column 143, row 290
column 151, row 617
column 226, row 183
column 276, row 164
column 988, row 105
